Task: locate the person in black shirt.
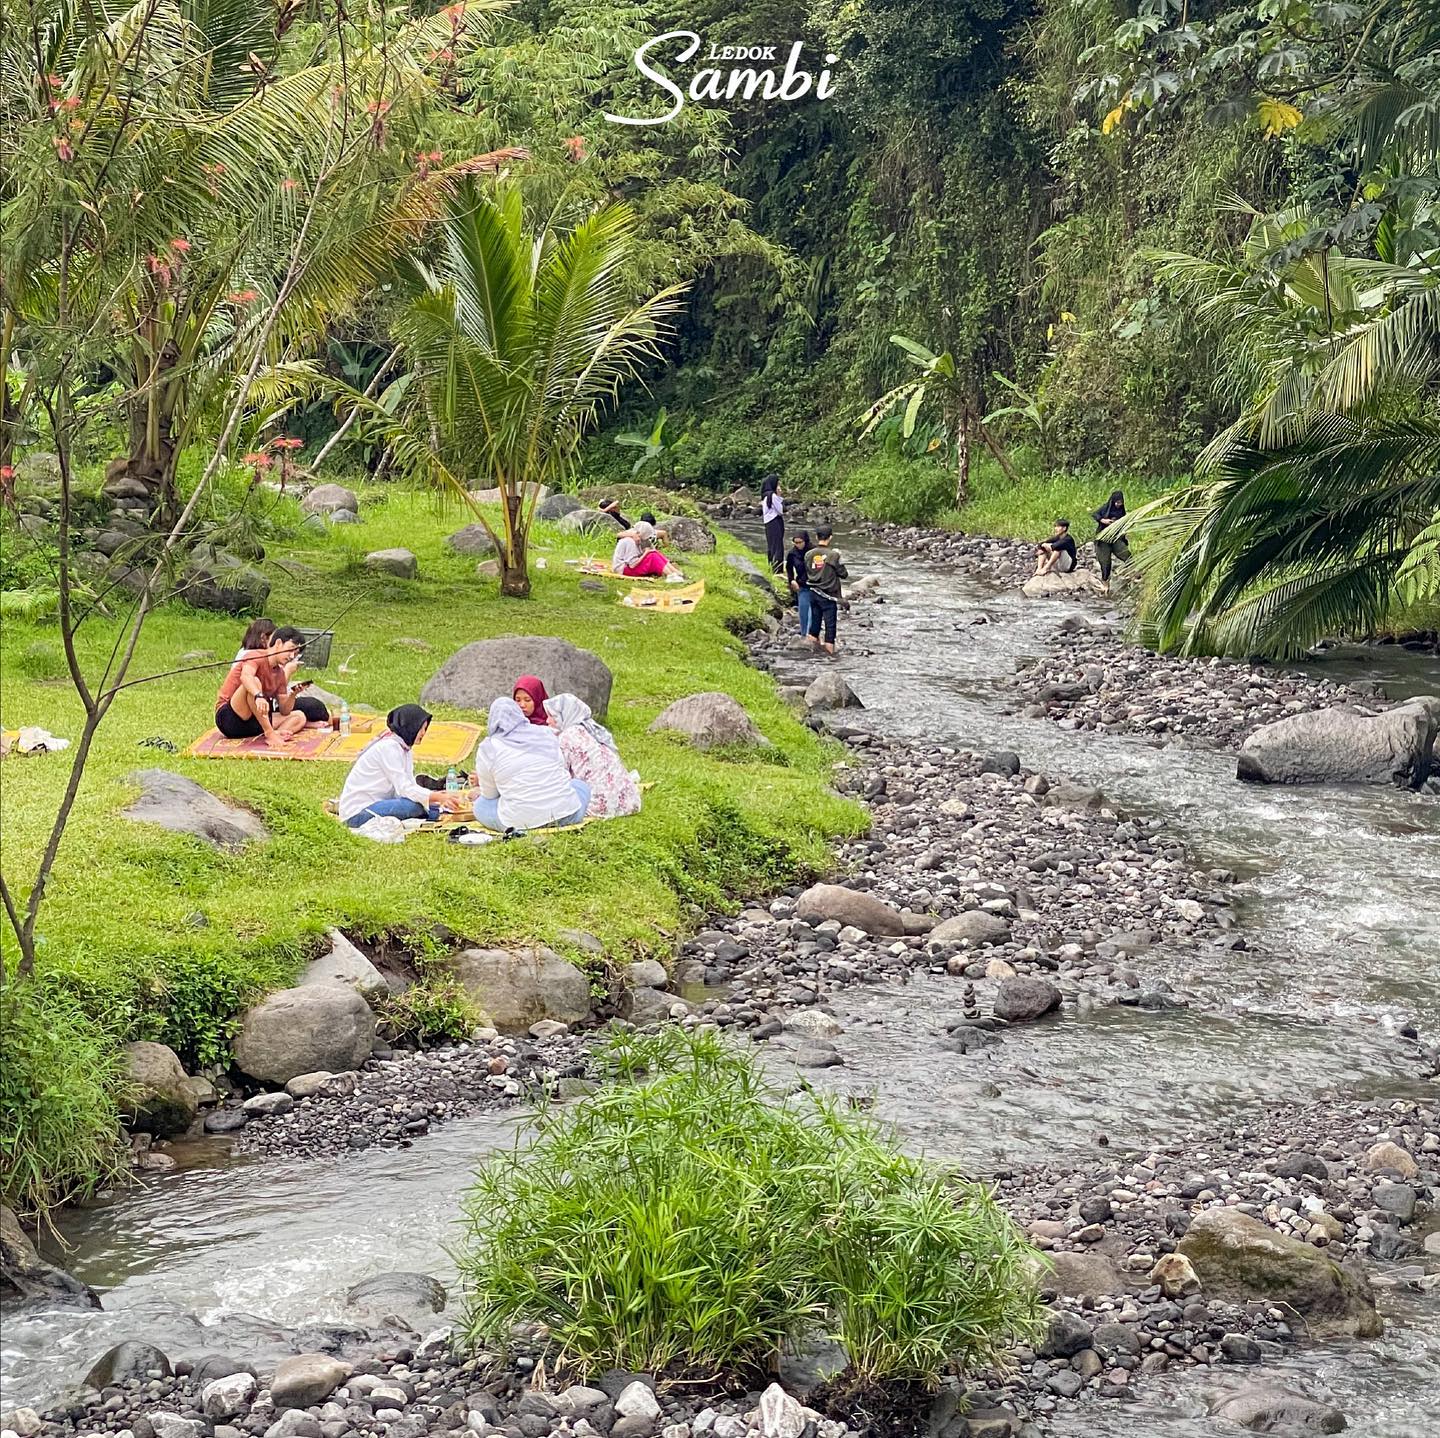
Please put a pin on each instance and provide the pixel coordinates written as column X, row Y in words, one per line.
column 610, row 508
column 1109, row 550
column 799, row 579
column 1057, row 554
column 825, row 571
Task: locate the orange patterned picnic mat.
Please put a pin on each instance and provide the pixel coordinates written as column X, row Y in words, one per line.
column 446, row 742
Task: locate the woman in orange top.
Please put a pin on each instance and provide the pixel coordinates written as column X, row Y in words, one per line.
column 256, row 698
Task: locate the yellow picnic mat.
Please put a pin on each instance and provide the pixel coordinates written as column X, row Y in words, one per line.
column 679, row 599
column 446, row 742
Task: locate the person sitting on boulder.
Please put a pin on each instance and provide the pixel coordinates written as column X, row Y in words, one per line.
column 636, row 557
column 256, row 696
column 588, row 749
column 530, row 695
column 1056, row 555
column 1107, row 551
column 610, row 508
column 521, row 780
column 382, row 783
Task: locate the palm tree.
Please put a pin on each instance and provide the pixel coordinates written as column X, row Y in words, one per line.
column 515, row 339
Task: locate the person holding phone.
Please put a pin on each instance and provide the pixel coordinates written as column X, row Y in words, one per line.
column 314, row 710
column 255, row 697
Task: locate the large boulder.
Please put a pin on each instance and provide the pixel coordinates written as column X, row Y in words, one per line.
column 1344, row 746
column 1264, row 1408
column 399, row 562
column 708, row 720
column 326, row 498
column 159, row 1099
column 25, row 1278
column 1082, row 1275
column 473, row 539
column 127, row 1361
column 557, row 506
column 1241, row 1260
column 519, row 987
column 849, row 907
column 224, row 584
column 345, row 964
column 588, row 521
column 1074, row 585
column 473, row 676
column 975, row 927
column 688, row 536
column 1021, row 999
column 407, row 1300
column 305, row 1030
column 182, row 806
column 830, row 691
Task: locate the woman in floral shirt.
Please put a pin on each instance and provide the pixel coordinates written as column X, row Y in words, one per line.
column 588, row 749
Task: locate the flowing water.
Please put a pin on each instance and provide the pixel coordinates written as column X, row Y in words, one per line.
column 1342, row 893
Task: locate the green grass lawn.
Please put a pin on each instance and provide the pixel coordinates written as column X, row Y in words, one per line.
column 146, row 934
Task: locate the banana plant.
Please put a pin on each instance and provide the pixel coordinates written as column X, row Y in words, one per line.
column 661, row 445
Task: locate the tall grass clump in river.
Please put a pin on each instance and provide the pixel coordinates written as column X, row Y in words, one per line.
column 690, row 1221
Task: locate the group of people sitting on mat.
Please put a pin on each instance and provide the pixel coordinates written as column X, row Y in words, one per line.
column 545, row 762
column 259, row 695
column 637, row 551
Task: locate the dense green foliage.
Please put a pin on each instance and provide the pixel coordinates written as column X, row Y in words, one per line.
column 689, row 1219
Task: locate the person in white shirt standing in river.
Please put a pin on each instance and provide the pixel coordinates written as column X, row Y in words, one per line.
column 772, row 511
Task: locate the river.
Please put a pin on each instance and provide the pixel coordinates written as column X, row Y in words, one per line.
column 1340, row 892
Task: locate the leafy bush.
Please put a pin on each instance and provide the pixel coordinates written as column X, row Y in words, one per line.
column 59, row 1081
column 689, row 1220
column 436, row 1011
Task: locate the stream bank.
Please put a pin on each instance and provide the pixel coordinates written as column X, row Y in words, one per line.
column 1251, row 1016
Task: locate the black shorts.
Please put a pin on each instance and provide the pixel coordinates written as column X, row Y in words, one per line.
column 232, row 726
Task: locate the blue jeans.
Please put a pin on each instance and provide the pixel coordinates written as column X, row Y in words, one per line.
column 392, row 809
column 487, row 811
column 802, row 603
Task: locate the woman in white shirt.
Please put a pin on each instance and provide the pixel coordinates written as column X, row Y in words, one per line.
column 772, row 511
column 381, row 782
column 520, row 778
column 636, row 557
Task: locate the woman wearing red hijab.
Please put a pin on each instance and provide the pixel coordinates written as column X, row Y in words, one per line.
column 530, row 695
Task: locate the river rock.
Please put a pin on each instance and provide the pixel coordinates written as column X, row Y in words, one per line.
column 1083, row 1275
column 557, row 506
column 22, row 1422
column 182, row 806
column 1390, row 1157
column 345, row 964
column 473, row 676
column 638, row 1400
column 688, row 536
column 473, row 539
column 322, row 1085
column 304, row 1030
column 975, row 927
column 849, row 906
column 708, row 721
column 305, row 1379
column 1241, row 1260
column 778, row 1415
column 830, row 691
column 587, row 521
column 1021, row 1000
column 647, row 974
column 519, row 987
column 126, row 1361
column 1075, row 585
column 226, row 1397
column 1345, row 746
column 1174, row 1276
column 399, row 562
column 410, row 1300
column 327, row 497
column 25, row 1278
column 1269, row 1409
column 159, row 1100
column 267, row 1105
column 745, row 567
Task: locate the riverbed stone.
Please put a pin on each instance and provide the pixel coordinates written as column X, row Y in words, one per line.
column 1345, row 746
column 647, row 974
column 975, row 927
column 303, row 1030
column 1240, row 1259
column 24, row 1277
column 708, row 720
column 131, row 1359
column 401, row 563
column 638, row 1400
column 345, row 964
column 322, row 1085
column 268, row 1105
column 519, row 987
column 182, row 806
column 1174, row 1276
column 1022, row 999
column 1268, row 1408
column 486, row 670
column 305, row 1379
column 825, row 902
column 1066, row 1335
column 325, row 498
column 159, row 1099
column 224, row 1398
column 830, row 691
column 1075, row 585
column 1082, row 1275
column 473, row 540
column 1390, row 1157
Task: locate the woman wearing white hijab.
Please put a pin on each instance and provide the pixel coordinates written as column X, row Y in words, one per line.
column 520, row 779
column 588, row 749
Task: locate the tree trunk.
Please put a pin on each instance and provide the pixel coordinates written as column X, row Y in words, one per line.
column 514, row 566
column 962, row 460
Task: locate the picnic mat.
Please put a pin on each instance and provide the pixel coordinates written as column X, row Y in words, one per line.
column 595, row 569
column 677, row 600
column 446, row 742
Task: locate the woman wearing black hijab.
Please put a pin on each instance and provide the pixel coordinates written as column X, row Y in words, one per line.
column 1107, row 551
column 381, row 782
column 772, row 511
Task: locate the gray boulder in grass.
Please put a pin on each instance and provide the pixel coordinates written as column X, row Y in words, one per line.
column 486, row 670
column 1345, row 746
column 587, row 521
column 688, row 536
column 184, row 807
column 326, row 498
column 708, row 721
column 556, row 507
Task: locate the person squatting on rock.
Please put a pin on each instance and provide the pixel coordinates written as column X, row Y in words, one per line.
column 1056, row 555
column 520, row 777
column 826, row 569
column 772, row 512
column 799, row 578
column 382, row 783
column 1109, row 550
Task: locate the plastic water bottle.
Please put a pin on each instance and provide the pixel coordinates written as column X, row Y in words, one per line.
column 344, row 720
column 452, row 780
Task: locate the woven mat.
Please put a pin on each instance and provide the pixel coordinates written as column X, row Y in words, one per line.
column 446, row 742
column 678, row 599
